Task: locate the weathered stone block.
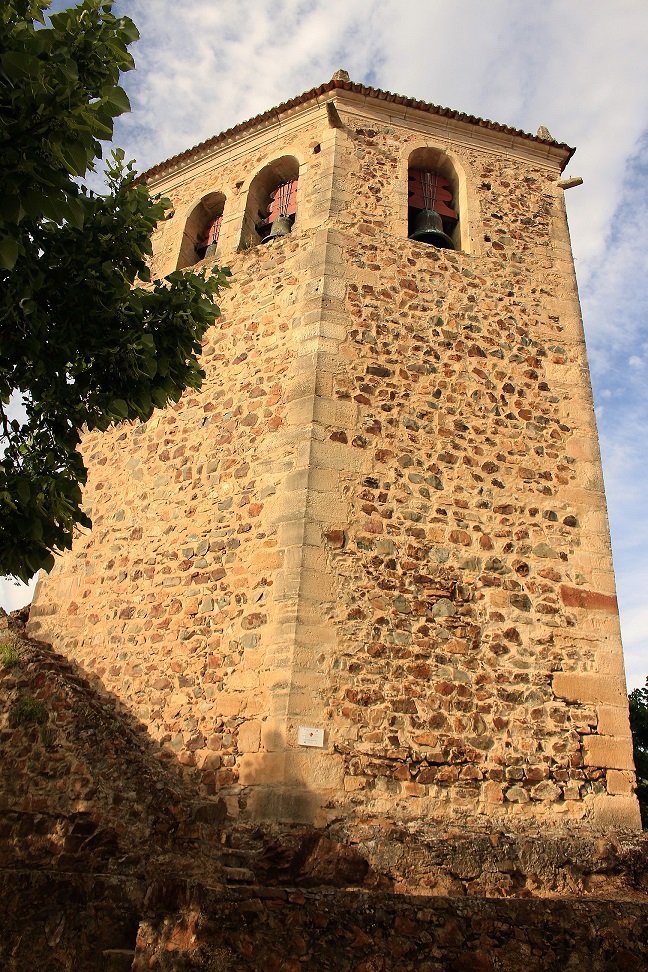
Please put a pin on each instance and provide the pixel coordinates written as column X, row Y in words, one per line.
column 613, row 720
column 608, row 751
column 615, row 812
column 249, row 737
column 587, row 688
column 619, row 782
column 589, row 600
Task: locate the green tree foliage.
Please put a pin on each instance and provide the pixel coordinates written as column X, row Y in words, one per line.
column 81, row 345
column 638, row 700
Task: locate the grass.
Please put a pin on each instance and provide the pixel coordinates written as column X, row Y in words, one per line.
column 46, row 736
column 9, row 655
column 28, row 709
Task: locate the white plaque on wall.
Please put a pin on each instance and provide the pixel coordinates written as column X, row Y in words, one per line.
column 308, row 736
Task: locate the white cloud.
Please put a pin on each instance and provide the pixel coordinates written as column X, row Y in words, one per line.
column 204, row 67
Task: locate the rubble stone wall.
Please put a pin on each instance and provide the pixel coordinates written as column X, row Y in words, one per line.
column 88, row 924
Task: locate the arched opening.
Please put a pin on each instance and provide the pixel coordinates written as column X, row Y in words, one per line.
column 201, row 232
column 271, row 206
column 432, row 200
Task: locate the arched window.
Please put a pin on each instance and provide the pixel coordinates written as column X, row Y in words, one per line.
column 272, row 202
column 200, row 237
column 432, row 189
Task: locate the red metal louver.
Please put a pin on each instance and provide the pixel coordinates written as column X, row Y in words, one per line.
column 214, row 230
column 429, row 190
column 210, row 237
column 283, row 201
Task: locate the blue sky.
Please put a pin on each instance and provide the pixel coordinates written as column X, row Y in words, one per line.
column 580, row 68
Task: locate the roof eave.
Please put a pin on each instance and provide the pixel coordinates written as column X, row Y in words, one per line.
column 314, row 94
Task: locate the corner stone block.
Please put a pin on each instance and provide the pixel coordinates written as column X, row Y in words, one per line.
column 300, row 411
column 323, row 480
column 608, row 751
column 616, row 812
column 589, row 688
column 610, row 660
column 291, row 532
column 590, row 600
column 286, row 805
column 613, row 720
column 620, row 783
column 332, row 412
column 255, row 768
column 249, row 737
column 308, row 769
column 297, row 480
column 314, row 769
column 273, row 734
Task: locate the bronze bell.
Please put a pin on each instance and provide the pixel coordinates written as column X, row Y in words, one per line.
column 429, row 229
column 281, row 226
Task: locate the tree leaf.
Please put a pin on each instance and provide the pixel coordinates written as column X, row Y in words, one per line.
column 116, row 99
column 23, row 492
column 119, row 408
column 10, row 250
column 77, row 155
column 128, row 30
column 18, row 64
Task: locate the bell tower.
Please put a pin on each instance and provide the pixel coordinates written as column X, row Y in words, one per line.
column 364, row 572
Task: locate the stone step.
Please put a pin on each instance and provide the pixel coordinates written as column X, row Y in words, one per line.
column 237, row 856
column 239, row 875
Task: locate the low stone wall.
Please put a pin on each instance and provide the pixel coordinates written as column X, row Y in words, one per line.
column 68, row 922
column 76, row 923
column 282, row 931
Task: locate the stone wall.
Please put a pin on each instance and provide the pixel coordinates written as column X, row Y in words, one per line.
column 470, row 601
column 85, row 788
column 382, row 516
column 350, row 932
column 86, row 924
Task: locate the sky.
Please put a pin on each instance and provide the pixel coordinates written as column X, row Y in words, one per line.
column 579, row 67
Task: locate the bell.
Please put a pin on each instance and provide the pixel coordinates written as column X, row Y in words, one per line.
column 280, row 227
column 429, row 229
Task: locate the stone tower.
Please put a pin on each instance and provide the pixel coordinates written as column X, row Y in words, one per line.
column 365, row 571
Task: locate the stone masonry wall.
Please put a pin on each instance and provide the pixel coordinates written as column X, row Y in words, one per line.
column 166, row 599
column 473, row 599
column 382, row 515
column 191, row 928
